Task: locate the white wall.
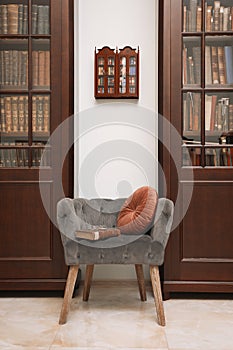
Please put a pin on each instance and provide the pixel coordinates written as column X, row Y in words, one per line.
column 116, row 148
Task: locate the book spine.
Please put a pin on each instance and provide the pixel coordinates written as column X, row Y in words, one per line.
column 47, row 69
column 199, row 18
column 8, row 114
column 229, row 64
column 12, row 18
column 14, row 112
column 21, row 113
column 25, row 113
column 7, row 67
column 230, row 117
column 41, row 71
column 46, row 104
column 191, row 70
column 221, row 65
column 226, row 19
column 35, row 68
column 208, row 100
column 34, row 18
column 185, row 18
column 214, row 54
column 15, row 67
column 2, row 68
column 20, row 19
column 197, row 64
column 34, row 117
column 193, row 9
column 25, row 19
column 185, row 66
column 46, row 20
column 221, row 18
column 213, row 112
column 39, row 114
column 3, row 114
column 4, row 19
column 24, row 68
column 217, row 15
column 209, row 19
column 40, row 22
column 10, row 67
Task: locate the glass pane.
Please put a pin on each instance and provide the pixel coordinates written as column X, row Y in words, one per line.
column 218, row 116
column 40, row 117
column 191, row 156
column 14, row 17
column 13, row 118
column 40, row 155
column 219, row 60
column 122, row 82
column 219, row 156
column 192, row 117
column 13, row 64
column 191, row 61
column 111, row 72
column 192, row 15
column 40, row 17
column 41, row 64
column 13, row 157
column 218, row 16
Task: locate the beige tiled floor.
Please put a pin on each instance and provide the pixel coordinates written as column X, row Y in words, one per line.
column 115, row 318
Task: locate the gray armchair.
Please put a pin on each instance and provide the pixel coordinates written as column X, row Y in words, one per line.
column 149, row 248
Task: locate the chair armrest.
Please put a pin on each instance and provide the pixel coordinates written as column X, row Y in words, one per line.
column 162, row 221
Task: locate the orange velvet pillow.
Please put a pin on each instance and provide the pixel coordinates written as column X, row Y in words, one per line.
column 138, row 211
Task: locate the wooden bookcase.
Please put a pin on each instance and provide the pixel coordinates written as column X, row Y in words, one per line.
column 117, row 73
column 36, row 95
column 196, row 96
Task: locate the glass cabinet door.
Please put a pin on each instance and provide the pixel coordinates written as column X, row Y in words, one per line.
column 24, row 82
column 105, row 67
column 128, row 72
column 207, row 80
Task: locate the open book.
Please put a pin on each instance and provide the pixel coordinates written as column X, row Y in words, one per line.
column 97, row 233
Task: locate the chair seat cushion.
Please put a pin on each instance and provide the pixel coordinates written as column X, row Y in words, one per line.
column 137, row 213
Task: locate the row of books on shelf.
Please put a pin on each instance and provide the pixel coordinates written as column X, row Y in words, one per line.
column 14, row 69
column 19, row 157
column 14, row 19
column 213, row 156
column 218, row 113
column 14, row 113
column 217, row 16
column 40, row 19
column 218, row 65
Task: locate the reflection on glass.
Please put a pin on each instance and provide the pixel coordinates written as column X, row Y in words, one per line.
column 13, row 64
column 191, row 156
column 219, row 60
column 40, row 117
column 13, row 118
column 192, row 117
column 122, row 85
column 219, row 156
column 191, row 61
column 192, row 16
column 14, row 157
column 41, row 64
column 40, row 17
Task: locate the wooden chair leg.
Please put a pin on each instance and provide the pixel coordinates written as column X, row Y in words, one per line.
column 155, row 280
column 87, row 282
column 141, row 281
column 70, row 283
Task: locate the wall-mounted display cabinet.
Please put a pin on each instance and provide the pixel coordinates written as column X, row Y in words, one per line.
column 196, row 96
column 117, row 73
column 35, row 97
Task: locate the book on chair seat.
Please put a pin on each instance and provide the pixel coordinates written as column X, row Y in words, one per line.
column 97, row 233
